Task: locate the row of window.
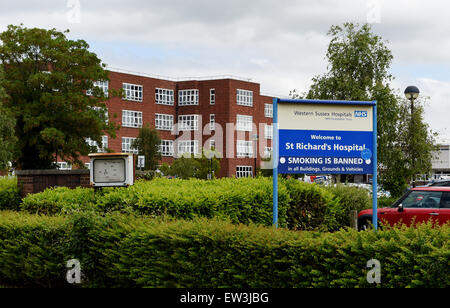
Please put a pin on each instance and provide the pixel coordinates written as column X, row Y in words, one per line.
column 189, row 97
column 188, row 122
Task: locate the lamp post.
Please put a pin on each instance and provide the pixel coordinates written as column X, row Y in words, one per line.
column 411, row 94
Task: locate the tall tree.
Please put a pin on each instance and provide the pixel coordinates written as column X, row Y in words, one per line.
column 7, row 136
column 358, row 69
column 147, row 143
column 47, row 77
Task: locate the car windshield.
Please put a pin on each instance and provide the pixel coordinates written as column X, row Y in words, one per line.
column 422, row 199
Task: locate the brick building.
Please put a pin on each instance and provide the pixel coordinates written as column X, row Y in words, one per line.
column 229, row 114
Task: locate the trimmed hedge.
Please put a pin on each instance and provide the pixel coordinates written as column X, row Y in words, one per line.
column 9, row 194
column 302, row 206
column 121, row 251
column 238, row 200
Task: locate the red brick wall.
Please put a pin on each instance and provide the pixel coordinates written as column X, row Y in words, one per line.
column 34, row 181
column 225, row 110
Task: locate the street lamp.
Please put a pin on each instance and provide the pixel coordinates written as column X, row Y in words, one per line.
column 412, row 93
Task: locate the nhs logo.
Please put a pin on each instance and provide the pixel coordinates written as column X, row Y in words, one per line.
column 360, row 114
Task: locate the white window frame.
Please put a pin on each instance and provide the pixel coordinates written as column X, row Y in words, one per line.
column 126, row 145
column 268, row 131
column 93, row 143
column 103, row 85
column 268, row 110
column 267, row 152
column 188, row 122
column 244, row 149
column 133, row 92
column 244, row 123
column 163, row 121
column 62, row 165
column 212, row 122
column 212, row 96
column 106, row 114
column 131, row 118
column 244, row 171
column 188, row 97
column 164, row 97
column 187, row 147
column 244, row 98
column 166, row 148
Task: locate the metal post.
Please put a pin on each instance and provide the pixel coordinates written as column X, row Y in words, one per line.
column 375, row 174
column 275, row 160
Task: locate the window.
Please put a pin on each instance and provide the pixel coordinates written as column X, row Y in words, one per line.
column 93, row 143
column 244, row 148
column 126, row 145
column 133, row 92
column 103, row 85
column 64, row 166
column 267, row 152
column 187, row 147
column 188, row 97
column 131, row 118
column 268, row 132
column 188, row 122
column 212, row 96
column 244, row 123
column 244, row 171
column 268, row 110
column 163, row 121
column 212, row 121
column 422, row 199
column 103, row 112
column 164, row 97
column 166, row 147
column 244, row 98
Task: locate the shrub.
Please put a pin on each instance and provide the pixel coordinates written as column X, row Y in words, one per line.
column 122, row 251
column 9, row 194
column 346, row 199
column 239, row 200
column 308, row 206
column 59, row 200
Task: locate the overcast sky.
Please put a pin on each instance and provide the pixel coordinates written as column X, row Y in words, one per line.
column 280, row 44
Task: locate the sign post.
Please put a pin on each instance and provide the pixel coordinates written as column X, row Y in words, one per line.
column 324, row 137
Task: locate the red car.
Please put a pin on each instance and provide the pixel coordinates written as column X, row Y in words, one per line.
column 419, row 204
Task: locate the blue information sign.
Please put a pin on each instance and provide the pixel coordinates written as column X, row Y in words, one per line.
column 324, row 137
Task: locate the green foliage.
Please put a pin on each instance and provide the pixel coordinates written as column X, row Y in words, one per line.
column 147, row 143
column 346, row 199
column 224, row 198
column 187, row 167
column 308, row 206
column 302, row 206
column 384, row 202
column 59, row 200
column 122, row 251
column 9, row 194
column 359, row 63
column 8, row 139
column 46, row 79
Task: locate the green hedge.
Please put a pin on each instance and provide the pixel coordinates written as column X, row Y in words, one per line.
column 121, row 251
column 9, row 194
column 302, row 206
column 239, row 200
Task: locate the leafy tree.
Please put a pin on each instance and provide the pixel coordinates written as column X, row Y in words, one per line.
column 147, row 143
column 47, row 76
column 358, row 69
column 187, row 166
column 7, row 136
